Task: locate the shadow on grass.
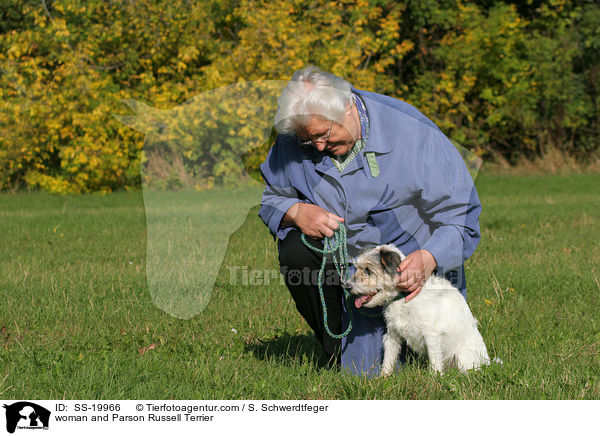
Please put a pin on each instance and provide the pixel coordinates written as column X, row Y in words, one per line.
column 305, row 349
column 291, row 350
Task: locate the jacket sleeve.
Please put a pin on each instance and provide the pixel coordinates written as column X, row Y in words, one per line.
column 448, row 201
column 279, row 195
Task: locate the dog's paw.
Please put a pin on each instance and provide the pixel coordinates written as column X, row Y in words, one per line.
column 385, row 373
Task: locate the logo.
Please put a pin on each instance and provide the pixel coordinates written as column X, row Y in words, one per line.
column 26, row 415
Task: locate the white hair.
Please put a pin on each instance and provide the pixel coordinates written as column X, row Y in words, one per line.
column 312, row 92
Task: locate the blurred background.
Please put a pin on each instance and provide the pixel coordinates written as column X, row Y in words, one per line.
column 513, row 82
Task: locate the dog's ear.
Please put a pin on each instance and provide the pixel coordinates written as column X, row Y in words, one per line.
column 390, row 261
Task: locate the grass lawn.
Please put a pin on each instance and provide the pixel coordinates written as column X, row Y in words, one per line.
column 77, row 320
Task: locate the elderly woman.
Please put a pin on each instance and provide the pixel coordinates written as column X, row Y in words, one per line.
column 384, row 170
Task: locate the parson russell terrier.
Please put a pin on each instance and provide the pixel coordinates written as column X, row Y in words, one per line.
column 437, row 322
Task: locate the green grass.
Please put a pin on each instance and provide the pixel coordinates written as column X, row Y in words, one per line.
column 76, row 308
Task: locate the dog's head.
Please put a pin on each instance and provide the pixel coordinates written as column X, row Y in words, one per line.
column 374, row 282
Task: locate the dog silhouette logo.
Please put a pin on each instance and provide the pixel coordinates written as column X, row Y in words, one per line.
column 26, row 415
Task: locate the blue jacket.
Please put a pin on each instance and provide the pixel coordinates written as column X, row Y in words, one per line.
column 423, row 197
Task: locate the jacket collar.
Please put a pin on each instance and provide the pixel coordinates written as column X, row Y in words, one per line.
column 378, row 140
column 326, row 166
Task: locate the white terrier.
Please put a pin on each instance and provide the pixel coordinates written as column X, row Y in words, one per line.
column 437, row 321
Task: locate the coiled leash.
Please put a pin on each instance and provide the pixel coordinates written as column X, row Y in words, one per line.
column 336, row 245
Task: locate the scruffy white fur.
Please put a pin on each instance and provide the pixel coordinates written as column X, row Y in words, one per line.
column 437, row 321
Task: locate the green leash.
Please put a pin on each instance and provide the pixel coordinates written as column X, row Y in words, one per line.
column 334, row 246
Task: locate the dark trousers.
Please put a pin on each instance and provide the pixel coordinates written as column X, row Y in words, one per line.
column 300, row 266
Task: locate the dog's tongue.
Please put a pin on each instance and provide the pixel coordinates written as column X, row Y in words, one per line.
column 359, row 301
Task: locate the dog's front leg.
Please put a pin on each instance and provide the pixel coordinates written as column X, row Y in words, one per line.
column 392, row 345
column 434, row 352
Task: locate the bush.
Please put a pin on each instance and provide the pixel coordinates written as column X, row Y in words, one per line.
column 500, row 78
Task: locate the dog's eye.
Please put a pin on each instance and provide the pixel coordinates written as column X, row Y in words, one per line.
column 367, row 271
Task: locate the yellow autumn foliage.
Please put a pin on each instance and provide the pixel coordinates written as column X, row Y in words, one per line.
column 504, row 78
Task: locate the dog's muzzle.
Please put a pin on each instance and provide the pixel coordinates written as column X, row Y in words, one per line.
column 362, row 300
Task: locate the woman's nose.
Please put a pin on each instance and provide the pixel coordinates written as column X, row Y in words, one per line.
column 321, row 145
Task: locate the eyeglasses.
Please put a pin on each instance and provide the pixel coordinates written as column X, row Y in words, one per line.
column 313, row 142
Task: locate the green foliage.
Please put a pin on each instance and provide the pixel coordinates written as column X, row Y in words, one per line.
column 65, row 67
column 509, row 85
column 500, row 77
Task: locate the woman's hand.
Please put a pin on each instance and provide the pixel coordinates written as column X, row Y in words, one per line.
column 312, row 220
column 414, row 271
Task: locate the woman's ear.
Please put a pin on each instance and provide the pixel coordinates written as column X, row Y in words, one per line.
column 349, row 108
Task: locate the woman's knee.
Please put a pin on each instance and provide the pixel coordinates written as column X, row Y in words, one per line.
column 293, row 254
